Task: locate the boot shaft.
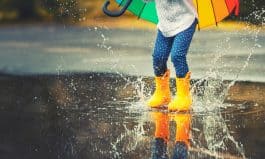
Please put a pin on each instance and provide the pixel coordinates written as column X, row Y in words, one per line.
column 183, row 85
column 163, row 81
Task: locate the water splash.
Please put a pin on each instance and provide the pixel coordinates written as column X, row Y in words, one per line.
column 104, row 40
column 208, row 101
column 130, row 140
column 211, row 91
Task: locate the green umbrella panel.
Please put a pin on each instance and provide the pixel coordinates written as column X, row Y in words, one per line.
column 146, row 11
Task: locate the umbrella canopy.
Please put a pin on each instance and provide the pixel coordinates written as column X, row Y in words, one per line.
column 210, row 12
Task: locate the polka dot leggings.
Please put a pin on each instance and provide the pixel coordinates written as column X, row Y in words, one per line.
column 178, row 45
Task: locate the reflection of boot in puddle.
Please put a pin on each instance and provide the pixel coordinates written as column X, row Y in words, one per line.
column 182, row 135
column 159, row 145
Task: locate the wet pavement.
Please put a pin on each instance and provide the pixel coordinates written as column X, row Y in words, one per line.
column 74, row 93
column 103, row 115
column 237, row 54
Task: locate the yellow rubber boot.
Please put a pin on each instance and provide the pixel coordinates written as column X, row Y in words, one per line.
column 183, row 99
column 161, row 96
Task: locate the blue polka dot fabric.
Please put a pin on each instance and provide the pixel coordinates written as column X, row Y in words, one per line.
column 177, row 46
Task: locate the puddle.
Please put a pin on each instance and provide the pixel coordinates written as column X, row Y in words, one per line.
column 98, row 115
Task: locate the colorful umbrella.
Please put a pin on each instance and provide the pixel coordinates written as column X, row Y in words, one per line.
column 210, row 12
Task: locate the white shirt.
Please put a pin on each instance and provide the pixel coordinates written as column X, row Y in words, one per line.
column 174, row 16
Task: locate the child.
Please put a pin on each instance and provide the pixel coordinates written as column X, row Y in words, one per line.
column 177, row 24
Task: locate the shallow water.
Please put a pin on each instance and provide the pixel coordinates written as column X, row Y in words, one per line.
column 97, row 115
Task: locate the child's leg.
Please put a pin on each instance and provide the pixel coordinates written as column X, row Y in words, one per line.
column 161, row 96
column 183, row 99
column 162, row 49
column 180, row 49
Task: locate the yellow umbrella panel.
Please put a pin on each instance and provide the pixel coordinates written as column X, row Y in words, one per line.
column 210, row 12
